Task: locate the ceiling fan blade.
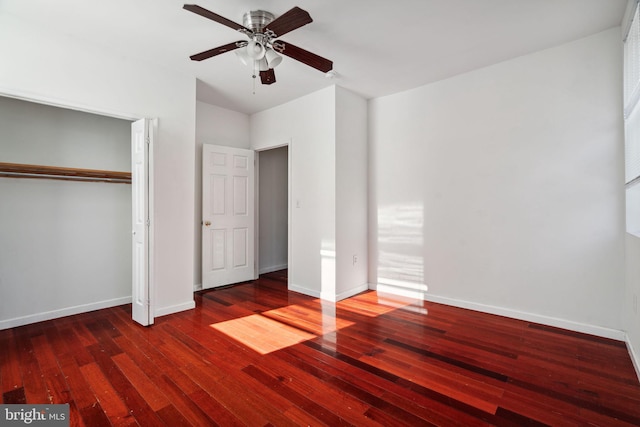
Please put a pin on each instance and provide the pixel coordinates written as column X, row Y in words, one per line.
column 268, row 77
column 214, row 17
column 306, row 57
column 215, row 51
column 289, row 21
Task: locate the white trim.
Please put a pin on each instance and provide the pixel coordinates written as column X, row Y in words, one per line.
column 197, row 287
column 68, row 311
column 531, row 317
column 256, row 214
column 502, row 311
column 290, row 209
column 635, row 357
column 287, row 143
column 343, row 295
column 151, row 255
column 62, row 103
column 273, row 268
column 272, row 147
column 164, row 311
column 305, row 291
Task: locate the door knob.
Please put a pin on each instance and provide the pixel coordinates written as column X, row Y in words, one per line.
column 207, row 223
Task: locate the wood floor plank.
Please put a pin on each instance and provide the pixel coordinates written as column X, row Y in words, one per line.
column 33, row 382
column 256, row 354
column 94, row 416
column 78, row 385
column 109, row 400
column 149, row 392
column 75, row 419
column 371, row 389
column 483, row 395
column 9, row 363
column 14, row 396
column 214, row 409
column 136, row 406
column 172, row 417
column 189, row 406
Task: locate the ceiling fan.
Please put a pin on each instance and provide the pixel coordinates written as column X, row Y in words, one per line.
column 262, row 50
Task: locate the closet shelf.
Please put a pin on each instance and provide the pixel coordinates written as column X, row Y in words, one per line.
column 17, row 170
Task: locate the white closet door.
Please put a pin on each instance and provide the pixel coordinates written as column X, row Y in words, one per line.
column 140, row 147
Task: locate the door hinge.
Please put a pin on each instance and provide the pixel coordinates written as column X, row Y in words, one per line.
column 147, row 140
column 148, row 222
column 148, row 303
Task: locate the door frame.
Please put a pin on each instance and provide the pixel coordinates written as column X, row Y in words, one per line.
column 39, row 99
column 289, row 145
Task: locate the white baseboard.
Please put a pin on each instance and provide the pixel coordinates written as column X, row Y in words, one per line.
column 342, row 295
column 328, row 296
column 197, row 287
column 164, row 311
column 635, row 357
column 302, row 290
column 506, row 312
column 273, row 268
column 68, row 311
column 531, row 317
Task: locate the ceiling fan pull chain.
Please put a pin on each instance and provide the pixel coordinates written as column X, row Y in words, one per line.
column 255, row 72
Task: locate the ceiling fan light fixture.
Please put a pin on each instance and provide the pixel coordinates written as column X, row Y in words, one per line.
column 262, row 64
column 255, row 50
column 272, row 57
column 243, row 57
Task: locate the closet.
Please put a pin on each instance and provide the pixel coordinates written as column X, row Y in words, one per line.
column 65, row 232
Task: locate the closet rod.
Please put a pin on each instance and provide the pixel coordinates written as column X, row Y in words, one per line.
column 17, row 170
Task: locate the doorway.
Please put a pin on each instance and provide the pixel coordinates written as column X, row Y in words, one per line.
column 273, row 210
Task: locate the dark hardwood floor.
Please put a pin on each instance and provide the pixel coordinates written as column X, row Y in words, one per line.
column 256, row 354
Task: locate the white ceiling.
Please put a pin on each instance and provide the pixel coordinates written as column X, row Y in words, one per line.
column 378, row 47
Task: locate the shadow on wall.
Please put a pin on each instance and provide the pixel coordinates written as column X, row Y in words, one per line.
column 400, row 250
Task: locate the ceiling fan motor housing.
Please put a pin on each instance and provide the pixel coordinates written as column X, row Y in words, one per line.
column 256, row 20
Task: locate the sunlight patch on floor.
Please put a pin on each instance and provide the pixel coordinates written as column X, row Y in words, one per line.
column 262, row 334
column 310, row 318
column 373, row 304
column 283, row 327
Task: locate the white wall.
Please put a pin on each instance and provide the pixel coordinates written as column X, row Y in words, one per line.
column 40, row 134
column 310, row 132
column 217, row 126
column 66, row 243
column 328, row 193
column 351, row 193
column 58, row 69
column 273, row 209
column 501, row 189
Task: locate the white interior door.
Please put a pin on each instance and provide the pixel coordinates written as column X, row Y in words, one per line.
column 228, row 210
column 140, row 148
